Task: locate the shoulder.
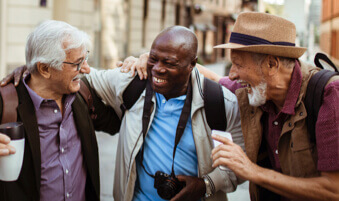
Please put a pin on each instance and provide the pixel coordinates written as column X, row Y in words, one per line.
column 331, row 91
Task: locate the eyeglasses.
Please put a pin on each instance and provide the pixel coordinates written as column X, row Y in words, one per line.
column 79, row 64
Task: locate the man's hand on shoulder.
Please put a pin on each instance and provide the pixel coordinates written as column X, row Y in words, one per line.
column 195, row 189
column 132, row 64
column 16, row 75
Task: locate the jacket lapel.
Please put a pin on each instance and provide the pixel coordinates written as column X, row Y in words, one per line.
column 27, row 116
column 250, row 124
column 86, row 133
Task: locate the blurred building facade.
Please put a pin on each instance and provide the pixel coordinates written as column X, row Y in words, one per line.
column 329, row 29
column 119, row 28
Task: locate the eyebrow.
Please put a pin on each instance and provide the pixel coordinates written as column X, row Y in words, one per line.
column 78, row 60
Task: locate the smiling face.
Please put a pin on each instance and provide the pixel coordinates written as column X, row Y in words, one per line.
column 170, row 63
column 67, row 80
column 249, row 74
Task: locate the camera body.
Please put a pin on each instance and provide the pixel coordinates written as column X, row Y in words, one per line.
column 167, row 186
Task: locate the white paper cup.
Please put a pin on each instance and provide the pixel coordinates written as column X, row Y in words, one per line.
column 10, row 166
column 216, row 143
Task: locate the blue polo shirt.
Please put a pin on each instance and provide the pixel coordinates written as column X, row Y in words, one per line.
column 159, row 145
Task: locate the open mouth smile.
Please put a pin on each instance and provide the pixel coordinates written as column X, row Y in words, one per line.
column 245, row 85
column 158, row 80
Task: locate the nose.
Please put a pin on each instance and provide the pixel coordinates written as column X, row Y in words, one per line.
column 233, row 75
column 85, row 69
column 158, row 68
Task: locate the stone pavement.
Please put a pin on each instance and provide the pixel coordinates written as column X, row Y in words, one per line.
column 107, row 151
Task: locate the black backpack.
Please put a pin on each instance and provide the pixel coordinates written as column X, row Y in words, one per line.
column 315, row 91
column 213, row 101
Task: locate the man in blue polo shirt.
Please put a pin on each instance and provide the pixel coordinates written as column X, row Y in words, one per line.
column 171, row 105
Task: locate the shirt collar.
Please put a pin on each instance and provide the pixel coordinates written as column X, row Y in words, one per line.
column 293, row 90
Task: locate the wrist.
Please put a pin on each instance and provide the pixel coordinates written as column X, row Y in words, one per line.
column 257, row 174
column 208, row 186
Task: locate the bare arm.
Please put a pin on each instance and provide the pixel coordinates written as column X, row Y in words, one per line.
column 208, row 73
column 324, row 187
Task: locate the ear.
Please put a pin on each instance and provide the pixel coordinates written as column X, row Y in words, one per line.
column 193, row 63
column 44, row 70
column 272, row 64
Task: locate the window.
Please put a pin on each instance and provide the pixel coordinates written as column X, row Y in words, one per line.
column 43, row 3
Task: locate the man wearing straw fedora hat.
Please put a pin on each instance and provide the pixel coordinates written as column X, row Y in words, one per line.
column 282, row 163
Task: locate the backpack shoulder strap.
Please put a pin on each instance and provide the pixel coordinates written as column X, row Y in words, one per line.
column 87, row 96
column 314, row 96
column 132, row 93
column 214, row 105
column 10, row 103
column 320, row 56
column 213, row 101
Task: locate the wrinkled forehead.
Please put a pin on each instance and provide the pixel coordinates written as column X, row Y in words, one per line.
column 171, row 46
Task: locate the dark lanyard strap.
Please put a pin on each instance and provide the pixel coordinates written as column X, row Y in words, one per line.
column 185, row 113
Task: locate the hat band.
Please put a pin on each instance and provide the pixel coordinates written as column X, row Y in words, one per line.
column 244, row 39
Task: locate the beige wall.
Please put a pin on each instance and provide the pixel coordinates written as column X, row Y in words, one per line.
column 19, row 17
column 3, row 14
column 153, row 24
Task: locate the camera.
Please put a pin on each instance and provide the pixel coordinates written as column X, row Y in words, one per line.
column 167, row 186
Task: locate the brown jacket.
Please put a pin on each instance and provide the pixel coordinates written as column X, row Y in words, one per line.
column 297, row 155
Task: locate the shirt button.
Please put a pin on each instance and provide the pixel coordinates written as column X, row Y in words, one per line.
column 67, row 195
column 55, row 111
column 62, row 150
column 163, row 101
column 276, row 151
column 275, row 123
column 66, row 171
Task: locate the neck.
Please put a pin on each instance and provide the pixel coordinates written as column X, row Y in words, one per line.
column 44, row 89
column 279, row 87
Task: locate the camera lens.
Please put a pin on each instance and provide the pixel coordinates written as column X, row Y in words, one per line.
column 167, row 187
column 166, row 191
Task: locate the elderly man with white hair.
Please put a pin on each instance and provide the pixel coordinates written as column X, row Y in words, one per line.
column 61, row 154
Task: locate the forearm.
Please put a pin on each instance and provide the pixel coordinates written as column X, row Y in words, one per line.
column 324, row 187
column 208, row 73
column 106, row 85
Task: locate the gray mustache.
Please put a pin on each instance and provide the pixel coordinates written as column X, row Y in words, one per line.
column 80, row 75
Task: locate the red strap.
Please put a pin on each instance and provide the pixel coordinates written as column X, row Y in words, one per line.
column 9, row 103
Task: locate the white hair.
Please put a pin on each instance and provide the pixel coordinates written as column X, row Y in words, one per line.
column 49, row 42
column 259, row 58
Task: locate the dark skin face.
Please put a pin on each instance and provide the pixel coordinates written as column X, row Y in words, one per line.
column 169, row 66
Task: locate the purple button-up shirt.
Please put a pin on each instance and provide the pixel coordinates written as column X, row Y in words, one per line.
column 327, row 126
column 63, row 174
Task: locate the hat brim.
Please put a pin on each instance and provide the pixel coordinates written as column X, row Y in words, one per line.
column 276, row 50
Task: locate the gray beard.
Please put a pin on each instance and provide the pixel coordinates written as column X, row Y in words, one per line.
column 258, row 95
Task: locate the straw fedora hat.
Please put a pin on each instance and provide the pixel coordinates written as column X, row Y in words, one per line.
column 264, row 33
